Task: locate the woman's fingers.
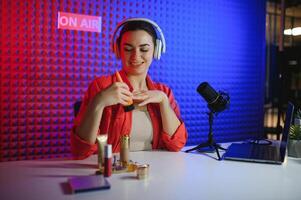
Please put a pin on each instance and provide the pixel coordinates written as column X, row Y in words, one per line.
column 138, row 97
column 118, row 92
column 151, row 96
column 124, row 96
column 145, row 102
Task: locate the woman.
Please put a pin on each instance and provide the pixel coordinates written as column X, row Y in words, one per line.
column 154, row 123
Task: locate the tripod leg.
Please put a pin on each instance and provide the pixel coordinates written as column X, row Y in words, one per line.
column 217, row 152
column 206, row 144
column 220, row 147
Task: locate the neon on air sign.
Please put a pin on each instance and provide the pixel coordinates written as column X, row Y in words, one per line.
column 72, row 21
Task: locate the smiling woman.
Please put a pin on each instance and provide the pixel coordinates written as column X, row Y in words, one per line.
column 137, row 49
column 155, row 123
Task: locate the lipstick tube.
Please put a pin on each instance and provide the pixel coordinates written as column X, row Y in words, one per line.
column 108, row 160
column 124, row 150
column 142, row 171
column 101, row 141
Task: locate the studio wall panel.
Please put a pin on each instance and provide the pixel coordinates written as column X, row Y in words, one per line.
column 44, row 70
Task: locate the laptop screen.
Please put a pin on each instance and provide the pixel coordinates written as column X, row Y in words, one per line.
column 286, row 129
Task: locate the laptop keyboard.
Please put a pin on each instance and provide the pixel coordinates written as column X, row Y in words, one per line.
column 264, row 152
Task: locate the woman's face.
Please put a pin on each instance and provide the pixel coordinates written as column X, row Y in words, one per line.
column 136, row 51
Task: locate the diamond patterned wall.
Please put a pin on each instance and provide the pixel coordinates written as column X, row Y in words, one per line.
column 44, row 70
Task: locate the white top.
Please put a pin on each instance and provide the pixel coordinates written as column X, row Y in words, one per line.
column 141, row 135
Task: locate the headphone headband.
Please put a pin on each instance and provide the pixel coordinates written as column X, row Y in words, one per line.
column 155, row 25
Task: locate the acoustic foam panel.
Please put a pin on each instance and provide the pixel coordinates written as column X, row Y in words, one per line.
column 44, row 70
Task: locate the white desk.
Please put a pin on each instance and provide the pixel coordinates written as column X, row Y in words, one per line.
column 172, row 176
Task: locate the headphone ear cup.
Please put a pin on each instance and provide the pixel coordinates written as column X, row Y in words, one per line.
column 156, row 49
column 159, row 49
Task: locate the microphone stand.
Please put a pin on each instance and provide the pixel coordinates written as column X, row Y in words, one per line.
column 210, row 142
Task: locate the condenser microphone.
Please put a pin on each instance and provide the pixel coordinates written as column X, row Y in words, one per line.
column 217, row 102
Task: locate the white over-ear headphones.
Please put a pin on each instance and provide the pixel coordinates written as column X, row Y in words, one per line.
column 160, row 46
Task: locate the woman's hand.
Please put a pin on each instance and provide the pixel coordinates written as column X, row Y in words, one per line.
column 170, row 120
column 118, row 92
column 149, row 96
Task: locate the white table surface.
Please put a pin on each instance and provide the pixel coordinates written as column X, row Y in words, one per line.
column 172, row 176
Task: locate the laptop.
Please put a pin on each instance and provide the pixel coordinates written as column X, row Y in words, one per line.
column 274, row 153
